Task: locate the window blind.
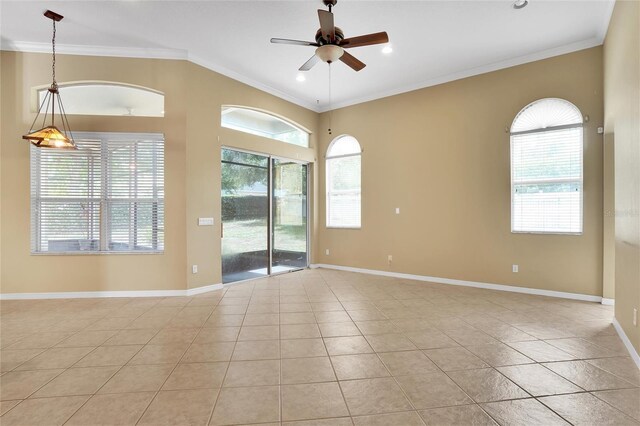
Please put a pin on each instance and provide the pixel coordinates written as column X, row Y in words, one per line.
column 546, row 181
column 106, row 196
column 66, row 191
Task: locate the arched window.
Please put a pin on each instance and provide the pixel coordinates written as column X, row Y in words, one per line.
column 263, row 123
column 546, row 168
column 343, row 183
column 107, row 98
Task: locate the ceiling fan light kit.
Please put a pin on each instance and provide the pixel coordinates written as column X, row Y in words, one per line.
column 50, row 136
column 330, row 42
column 329, row 53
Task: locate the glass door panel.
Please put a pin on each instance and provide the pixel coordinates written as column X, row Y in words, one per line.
column 288, row 216
column 245, row 214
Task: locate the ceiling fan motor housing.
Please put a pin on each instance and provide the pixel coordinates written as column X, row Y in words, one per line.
column 321, row 41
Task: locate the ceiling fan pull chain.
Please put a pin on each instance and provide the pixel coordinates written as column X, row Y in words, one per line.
column 330, row 110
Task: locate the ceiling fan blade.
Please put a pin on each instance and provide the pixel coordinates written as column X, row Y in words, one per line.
column 365, row 40
column 326, row 25
column 352, row 61
column 309, row 64
column 295, row 42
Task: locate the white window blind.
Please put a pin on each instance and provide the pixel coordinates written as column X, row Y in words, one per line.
column 546, row 169
column 107, row 196
column 343, row 183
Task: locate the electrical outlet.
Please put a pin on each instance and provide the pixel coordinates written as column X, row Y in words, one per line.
column 635, row 317
column 194, row 269
column 514, row 268
column 390, row 258
column 326, row 252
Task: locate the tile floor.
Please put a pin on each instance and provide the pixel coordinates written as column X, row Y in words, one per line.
column 316, row 347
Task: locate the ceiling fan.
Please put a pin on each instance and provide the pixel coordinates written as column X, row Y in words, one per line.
column 330, row 42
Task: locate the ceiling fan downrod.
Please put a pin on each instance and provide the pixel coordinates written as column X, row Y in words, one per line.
column 330, row 3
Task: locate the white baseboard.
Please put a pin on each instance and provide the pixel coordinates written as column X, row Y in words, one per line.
column 204, row 289
column 101, row 294
column 500, row 287
column 627, row 342
column 488, row 286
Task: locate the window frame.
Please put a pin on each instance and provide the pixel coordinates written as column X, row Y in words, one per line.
column 103, row 200
column 38, row 93
column 226, row 109
column 328, row 191
column 548, row 180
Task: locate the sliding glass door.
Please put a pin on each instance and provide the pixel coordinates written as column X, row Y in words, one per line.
column 264, row 215
column 289, row 215
column 245, row 213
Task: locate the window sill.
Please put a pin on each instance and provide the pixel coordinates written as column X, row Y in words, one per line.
column 344, row 227
column 547, row 233
column 90, row 253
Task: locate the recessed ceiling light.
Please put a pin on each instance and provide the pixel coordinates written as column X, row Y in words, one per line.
column 301, row 77
column 387, row 49
column 520, row 4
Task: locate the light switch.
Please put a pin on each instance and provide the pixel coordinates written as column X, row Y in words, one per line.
column 205, row 221
column 397, row 210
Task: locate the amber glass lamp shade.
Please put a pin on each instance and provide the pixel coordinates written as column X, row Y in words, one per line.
column 50, row 137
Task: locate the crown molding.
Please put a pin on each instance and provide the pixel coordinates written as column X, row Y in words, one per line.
column 143, row 53
column 251, row 82
column 495, row 66
column 176, row 54
column 73, row 49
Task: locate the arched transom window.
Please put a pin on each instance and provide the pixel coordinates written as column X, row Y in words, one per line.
column 108, row 98
column 343, row 183
column 546, row 168
column 263, row 123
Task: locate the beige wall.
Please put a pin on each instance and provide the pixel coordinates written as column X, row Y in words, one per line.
column 608, row 225
column 441, row 154
column 622, row 123
column 23, row 272
column 193, row 97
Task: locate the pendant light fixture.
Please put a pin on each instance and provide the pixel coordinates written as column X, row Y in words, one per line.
column 50, row 136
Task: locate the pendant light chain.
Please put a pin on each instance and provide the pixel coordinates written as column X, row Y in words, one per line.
column 54, row 84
